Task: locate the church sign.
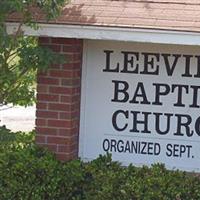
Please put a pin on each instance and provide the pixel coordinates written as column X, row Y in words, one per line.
column 141, row 103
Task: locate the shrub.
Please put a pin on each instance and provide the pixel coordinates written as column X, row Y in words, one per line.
column 30, row 173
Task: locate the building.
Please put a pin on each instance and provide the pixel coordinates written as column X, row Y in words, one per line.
column 155, row 41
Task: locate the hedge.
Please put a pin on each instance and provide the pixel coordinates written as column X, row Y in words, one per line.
column 28, row 172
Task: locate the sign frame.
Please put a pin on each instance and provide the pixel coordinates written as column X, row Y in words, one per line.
column 82, row 132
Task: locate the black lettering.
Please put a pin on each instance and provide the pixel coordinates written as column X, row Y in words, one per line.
column 157, row 149
column 195, row 96
column 127, row 147
column 150, row 148
column 144, row 122
column 197, row 75
column 120, row 148
column 189, row 152
column 158, row 123
column 114, row 119
column 143, row 148
column 113, row 145
column 169, row 150
column 187, row 66
column 180, row 88
column 140, row 93
column 170, row 69
column 106, row 145
column 108, row 67
column 149, row 63
column 135, row 146
column 197, row 126
column 129, row 62
column 159, row 92
column 176, row 150
column 182, row 150
column 120, row 87
column 185, row 125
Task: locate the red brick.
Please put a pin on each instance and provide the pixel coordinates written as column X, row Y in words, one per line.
column 72, row 49
column 47, row 97
column 72, row 57
column 60, row 73
column 57, row 123
column 62, row 107
column 54, row 48
column 61, row 90
column 68, row 131
column 42, row 88
column 40, row 122
column 58, row 140
column 44, row 40
column 61, row 123
column 47, row 114
column 66, row 99
column 48, row 81
column 70, row 99
column 58, row 40
column 66, row 41
column 67, row 148
column 41, row 106
column 72, row 65
column 65, row 73
column 51, row 147
column 47, row 131
column 69, row 115
column 70, row 82
column 74, row 41
column 70, row 60
column 40, row 139
column 42, row 73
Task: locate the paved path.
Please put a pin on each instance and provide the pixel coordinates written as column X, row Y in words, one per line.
column 18, row 118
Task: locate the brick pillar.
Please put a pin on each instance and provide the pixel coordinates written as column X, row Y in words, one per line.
column 58, row 100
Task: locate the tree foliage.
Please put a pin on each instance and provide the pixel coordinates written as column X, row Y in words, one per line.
column 20, row 55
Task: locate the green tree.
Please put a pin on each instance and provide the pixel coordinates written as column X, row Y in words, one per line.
column 20, row 55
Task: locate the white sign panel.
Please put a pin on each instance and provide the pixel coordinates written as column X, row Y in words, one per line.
column 141, row 103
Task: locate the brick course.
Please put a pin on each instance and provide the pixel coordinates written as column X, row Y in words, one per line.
column 58, row 100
